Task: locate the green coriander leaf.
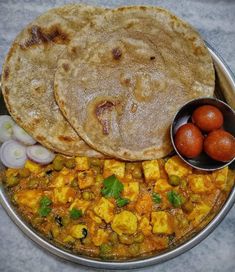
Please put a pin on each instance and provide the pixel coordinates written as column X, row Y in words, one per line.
column 174, row 199
column 156, row 198
column 45, row 201
column 112, row 187
column 44, row 211
column 122, row 202
column 75, row 213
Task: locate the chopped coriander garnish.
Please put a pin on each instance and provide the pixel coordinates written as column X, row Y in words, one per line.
column 75, row 213
column 112, row 187
column 44, row 211
column 45, row 201
column 174, row 198
column 156, row 198
column 122, row 202
column 44, row 208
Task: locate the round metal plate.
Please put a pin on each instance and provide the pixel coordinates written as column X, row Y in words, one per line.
column 225, row 90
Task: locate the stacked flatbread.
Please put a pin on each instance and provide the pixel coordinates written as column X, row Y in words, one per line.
column 28, row 77
column 119, row 77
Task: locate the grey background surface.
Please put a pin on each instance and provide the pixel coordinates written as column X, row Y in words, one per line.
column 216, row 22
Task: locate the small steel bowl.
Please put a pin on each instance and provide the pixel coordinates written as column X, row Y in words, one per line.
column 183, row 116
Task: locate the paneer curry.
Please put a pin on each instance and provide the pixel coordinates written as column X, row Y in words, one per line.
column 112, row 209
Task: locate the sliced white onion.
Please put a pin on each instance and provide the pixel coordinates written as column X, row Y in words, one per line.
column 13, row 154
column 6, row 125
column 21, row 135
column 40, row 154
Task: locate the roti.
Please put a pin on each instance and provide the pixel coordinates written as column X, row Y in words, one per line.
column 28, row 76
column 121, row 81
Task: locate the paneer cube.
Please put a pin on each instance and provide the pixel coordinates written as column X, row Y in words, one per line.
column 78, row 231
column 68, row 239
column 220, row 178
column 151, row 170
column 82, row 163
column 230, row 180
column 200, row 183
column 55, row 231
column 63, row 195
column 85, row 179
column 199, row 213
column 131, row 190
column 69, row 177
column 162, row 222
column 28, row 198
column 162, row 185
column 58, row 181
column 65, row 171
column 105, row 209
column 175, row 166
column 100, row 237
column 113, row 167
column 124, row 223
column 33, row 167
column 94, row 218
column 11, row 177
column 80, row 204
column 145, row 226
column 64, row 178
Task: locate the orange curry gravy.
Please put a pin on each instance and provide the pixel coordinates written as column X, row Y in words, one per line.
column 114, row 209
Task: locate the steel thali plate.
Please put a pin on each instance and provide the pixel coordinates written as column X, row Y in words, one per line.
column 225, row 90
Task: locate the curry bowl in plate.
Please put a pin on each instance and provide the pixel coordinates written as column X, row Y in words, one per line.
column 225, row 90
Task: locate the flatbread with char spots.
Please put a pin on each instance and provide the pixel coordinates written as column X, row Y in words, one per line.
column 121, row 81
column 28, row 76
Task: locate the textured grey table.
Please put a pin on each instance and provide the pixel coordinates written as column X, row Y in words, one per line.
column 216, row 22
